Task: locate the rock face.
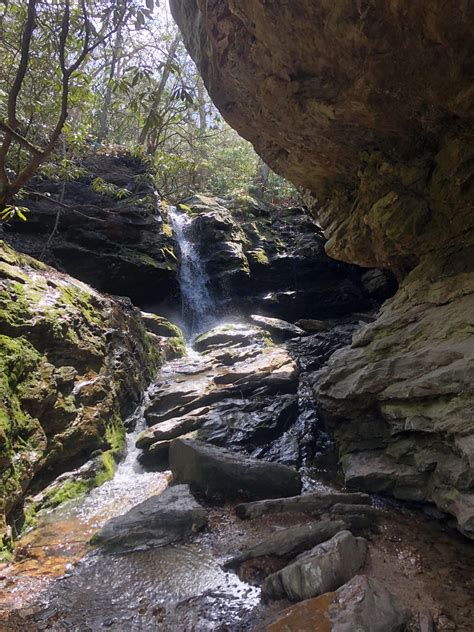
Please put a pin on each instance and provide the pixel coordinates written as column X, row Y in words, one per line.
column 218, row 472
column 369, row 106
column 322, row 569
column 73, row 364
column 157, row 521
column 400, row 401
column 113, row 236
column 264, row 260
column 361, row 604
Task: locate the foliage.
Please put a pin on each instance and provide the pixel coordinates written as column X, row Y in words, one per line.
column 10, row 212
column 111, row 190
column 107, row 73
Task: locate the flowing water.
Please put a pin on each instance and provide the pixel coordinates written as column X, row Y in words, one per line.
column 179, row 587
column 59, row 582
column 198, row 304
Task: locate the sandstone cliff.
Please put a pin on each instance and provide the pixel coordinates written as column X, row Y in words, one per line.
column 369, row 106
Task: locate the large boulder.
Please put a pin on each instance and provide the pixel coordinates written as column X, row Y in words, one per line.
column 218, row 472
column 322, row 569
column 370, row 108
column 73, row 365
column 155, row 522
column 362, row 604
column 229, row 334
column 280, row 330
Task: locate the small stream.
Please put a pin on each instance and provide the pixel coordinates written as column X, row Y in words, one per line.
column 59, row 582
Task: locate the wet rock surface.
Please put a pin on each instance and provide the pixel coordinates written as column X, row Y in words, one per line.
column 240, row 392
column 218, row 472
column 158, row 521
column 322, row 569
column 361, row 604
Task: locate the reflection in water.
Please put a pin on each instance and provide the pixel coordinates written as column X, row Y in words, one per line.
column 149, row 590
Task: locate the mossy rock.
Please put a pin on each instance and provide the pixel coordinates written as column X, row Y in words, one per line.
column 73, row 365
column 160, row 325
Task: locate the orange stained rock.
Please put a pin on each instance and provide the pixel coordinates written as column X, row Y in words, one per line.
column 310, row 615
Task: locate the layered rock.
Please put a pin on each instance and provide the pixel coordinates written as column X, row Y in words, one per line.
column 324, row 568
column 369, row 106
column 73, row 365
column 400, row 400
column 105, row 228
column 240, row 392
column 264, row 260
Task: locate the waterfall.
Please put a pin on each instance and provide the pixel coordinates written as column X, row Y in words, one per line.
column 198, row 304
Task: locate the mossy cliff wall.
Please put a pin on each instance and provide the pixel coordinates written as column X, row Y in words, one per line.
column 369, row 106
column 73, row 364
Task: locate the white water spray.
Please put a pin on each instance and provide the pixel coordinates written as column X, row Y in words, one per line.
column 198, row 305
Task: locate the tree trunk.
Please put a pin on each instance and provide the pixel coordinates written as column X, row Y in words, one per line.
column 261, row 179
column 104, row 114
column 161, row 88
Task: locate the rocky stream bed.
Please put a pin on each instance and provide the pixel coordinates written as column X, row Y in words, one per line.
column 186, row 536
column 158, row 481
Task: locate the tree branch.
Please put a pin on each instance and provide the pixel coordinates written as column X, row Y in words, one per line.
column 30, row 25
column 21, row 140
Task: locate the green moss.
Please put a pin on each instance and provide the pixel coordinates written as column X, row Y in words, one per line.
column 30, row 515
column 261, row 257
column 106, row 466
column 115, row 434
column 177, row 346
column 68, row 491
column 267, row 339
column 167, row 230
column 168, row 252
column 6, row 552
column 21, row 438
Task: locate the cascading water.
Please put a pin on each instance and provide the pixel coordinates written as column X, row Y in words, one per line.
column 198, row 304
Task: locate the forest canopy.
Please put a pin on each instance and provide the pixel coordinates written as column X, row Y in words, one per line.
column 96, row 75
